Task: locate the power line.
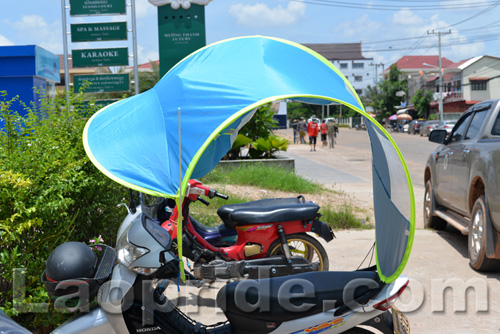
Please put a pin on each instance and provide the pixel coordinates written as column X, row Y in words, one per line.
column 473, row 16
column 395, row 8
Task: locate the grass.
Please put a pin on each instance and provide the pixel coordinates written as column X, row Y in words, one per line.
column 263, row 177
column 342, row 217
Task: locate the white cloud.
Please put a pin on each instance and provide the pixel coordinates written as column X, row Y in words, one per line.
column 145, row 57
column 261, row 15
column 33, row 29
column 460, row 48
column 4, row 41
column 361, row 26
column 143, row 9
column 406, row 17
column 30, row 22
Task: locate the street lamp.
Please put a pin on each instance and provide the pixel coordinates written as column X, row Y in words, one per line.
column 441, row 116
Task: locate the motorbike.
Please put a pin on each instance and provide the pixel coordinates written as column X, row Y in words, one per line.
column 131, row 293
column 268, row 232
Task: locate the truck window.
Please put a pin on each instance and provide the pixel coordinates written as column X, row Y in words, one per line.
column 460, row 128
column 496, row 127
column 475, row 124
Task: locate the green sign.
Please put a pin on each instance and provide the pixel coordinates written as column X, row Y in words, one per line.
column 180, row 32
column 100, row 57
column 100, row 83
column 90, row 32
column 96, row 7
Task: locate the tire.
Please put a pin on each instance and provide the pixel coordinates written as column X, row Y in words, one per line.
column 431, row 221
column 477, row 238
column 304, row 245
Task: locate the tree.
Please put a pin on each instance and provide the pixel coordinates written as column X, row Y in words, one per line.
column 295, row 110
column 261, row 125
column 389, row 91
column 421, row 101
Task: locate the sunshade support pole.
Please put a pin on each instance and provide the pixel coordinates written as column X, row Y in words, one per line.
column 179, row 208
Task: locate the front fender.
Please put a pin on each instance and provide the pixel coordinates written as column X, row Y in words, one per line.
column 323, row 230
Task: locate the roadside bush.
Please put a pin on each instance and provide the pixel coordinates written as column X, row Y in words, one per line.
column 50, row 193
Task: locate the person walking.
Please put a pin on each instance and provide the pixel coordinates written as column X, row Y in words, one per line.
column 323, row 130
column 312, row 131
column 301, row 128
column 332, row 130
column 293, row 125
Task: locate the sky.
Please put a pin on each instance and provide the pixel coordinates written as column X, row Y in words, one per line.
column 387, row 29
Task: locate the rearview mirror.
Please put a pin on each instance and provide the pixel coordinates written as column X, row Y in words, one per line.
column 438, row 136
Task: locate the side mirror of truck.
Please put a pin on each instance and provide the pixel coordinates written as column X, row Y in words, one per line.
column 438, row 136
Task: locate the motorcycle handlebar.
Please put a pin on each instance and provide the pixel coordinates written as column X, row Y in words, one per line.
column 226, row 197
column 203, row 201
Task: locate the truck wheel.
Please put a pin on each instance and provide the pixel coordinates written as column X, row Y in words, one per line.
column 431, row 221
column 477, row 238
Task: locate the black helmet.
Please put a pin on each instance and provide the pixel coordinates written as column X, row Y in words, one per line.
column 71, row 260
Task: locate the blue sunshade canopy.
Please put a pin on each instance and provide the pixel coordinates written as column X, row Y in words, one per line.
column 156, row 141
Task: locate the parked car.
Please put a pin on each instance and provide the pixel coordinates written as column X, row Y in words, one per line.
column 415, row 126
column 427, row 127
column 446, row 125
column 462, row 182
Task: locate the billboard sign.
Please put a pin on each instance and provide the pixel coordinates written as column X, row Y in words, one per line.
column 100, row 57
column 96, row 7
column 91, row 32
column 180, row 32
column 100, row 83
column 47, row 65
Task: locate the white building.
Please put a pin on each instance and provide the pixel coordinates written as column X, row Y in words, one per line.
column 348, row 58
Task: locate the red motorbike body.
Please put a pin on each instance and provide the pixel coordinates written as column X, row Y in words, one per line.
column 257, row 223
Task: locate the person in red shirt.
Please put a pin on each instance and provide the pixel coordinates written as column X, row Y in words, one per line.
column 312, row 131
column 323, row 132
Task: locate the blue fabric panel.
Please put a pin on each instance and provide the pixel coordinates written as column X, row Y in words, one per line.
column 211, row 87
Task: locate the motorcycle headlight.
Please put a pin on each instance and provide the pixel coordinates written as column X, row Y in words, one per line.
column 128, row 253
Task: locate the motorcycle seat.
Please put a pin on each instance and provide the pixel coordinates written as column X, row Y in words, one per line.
column 267, row 211
column 209, row 229
column 280, row 299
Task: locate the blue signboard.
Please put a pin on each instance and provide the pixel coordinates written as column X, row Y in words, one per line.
column 47, row 65
column 24, row 67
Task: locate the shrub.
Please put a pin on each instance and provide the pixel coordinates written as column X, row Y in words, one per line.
column 50, row 193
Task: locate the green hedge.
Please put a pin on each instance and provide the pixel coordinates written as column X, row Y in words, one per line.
column 50, row 193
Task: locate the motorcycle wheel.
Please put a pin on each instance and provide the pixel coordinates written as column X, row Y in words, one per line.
column 301, row 244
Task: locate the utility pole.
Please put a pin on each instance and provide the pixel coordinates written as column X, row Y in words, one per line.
column 441, row 116
column 376, row 72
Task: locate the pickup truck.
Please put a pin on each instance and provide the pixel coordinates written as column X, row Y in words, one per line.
column 462, row 182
